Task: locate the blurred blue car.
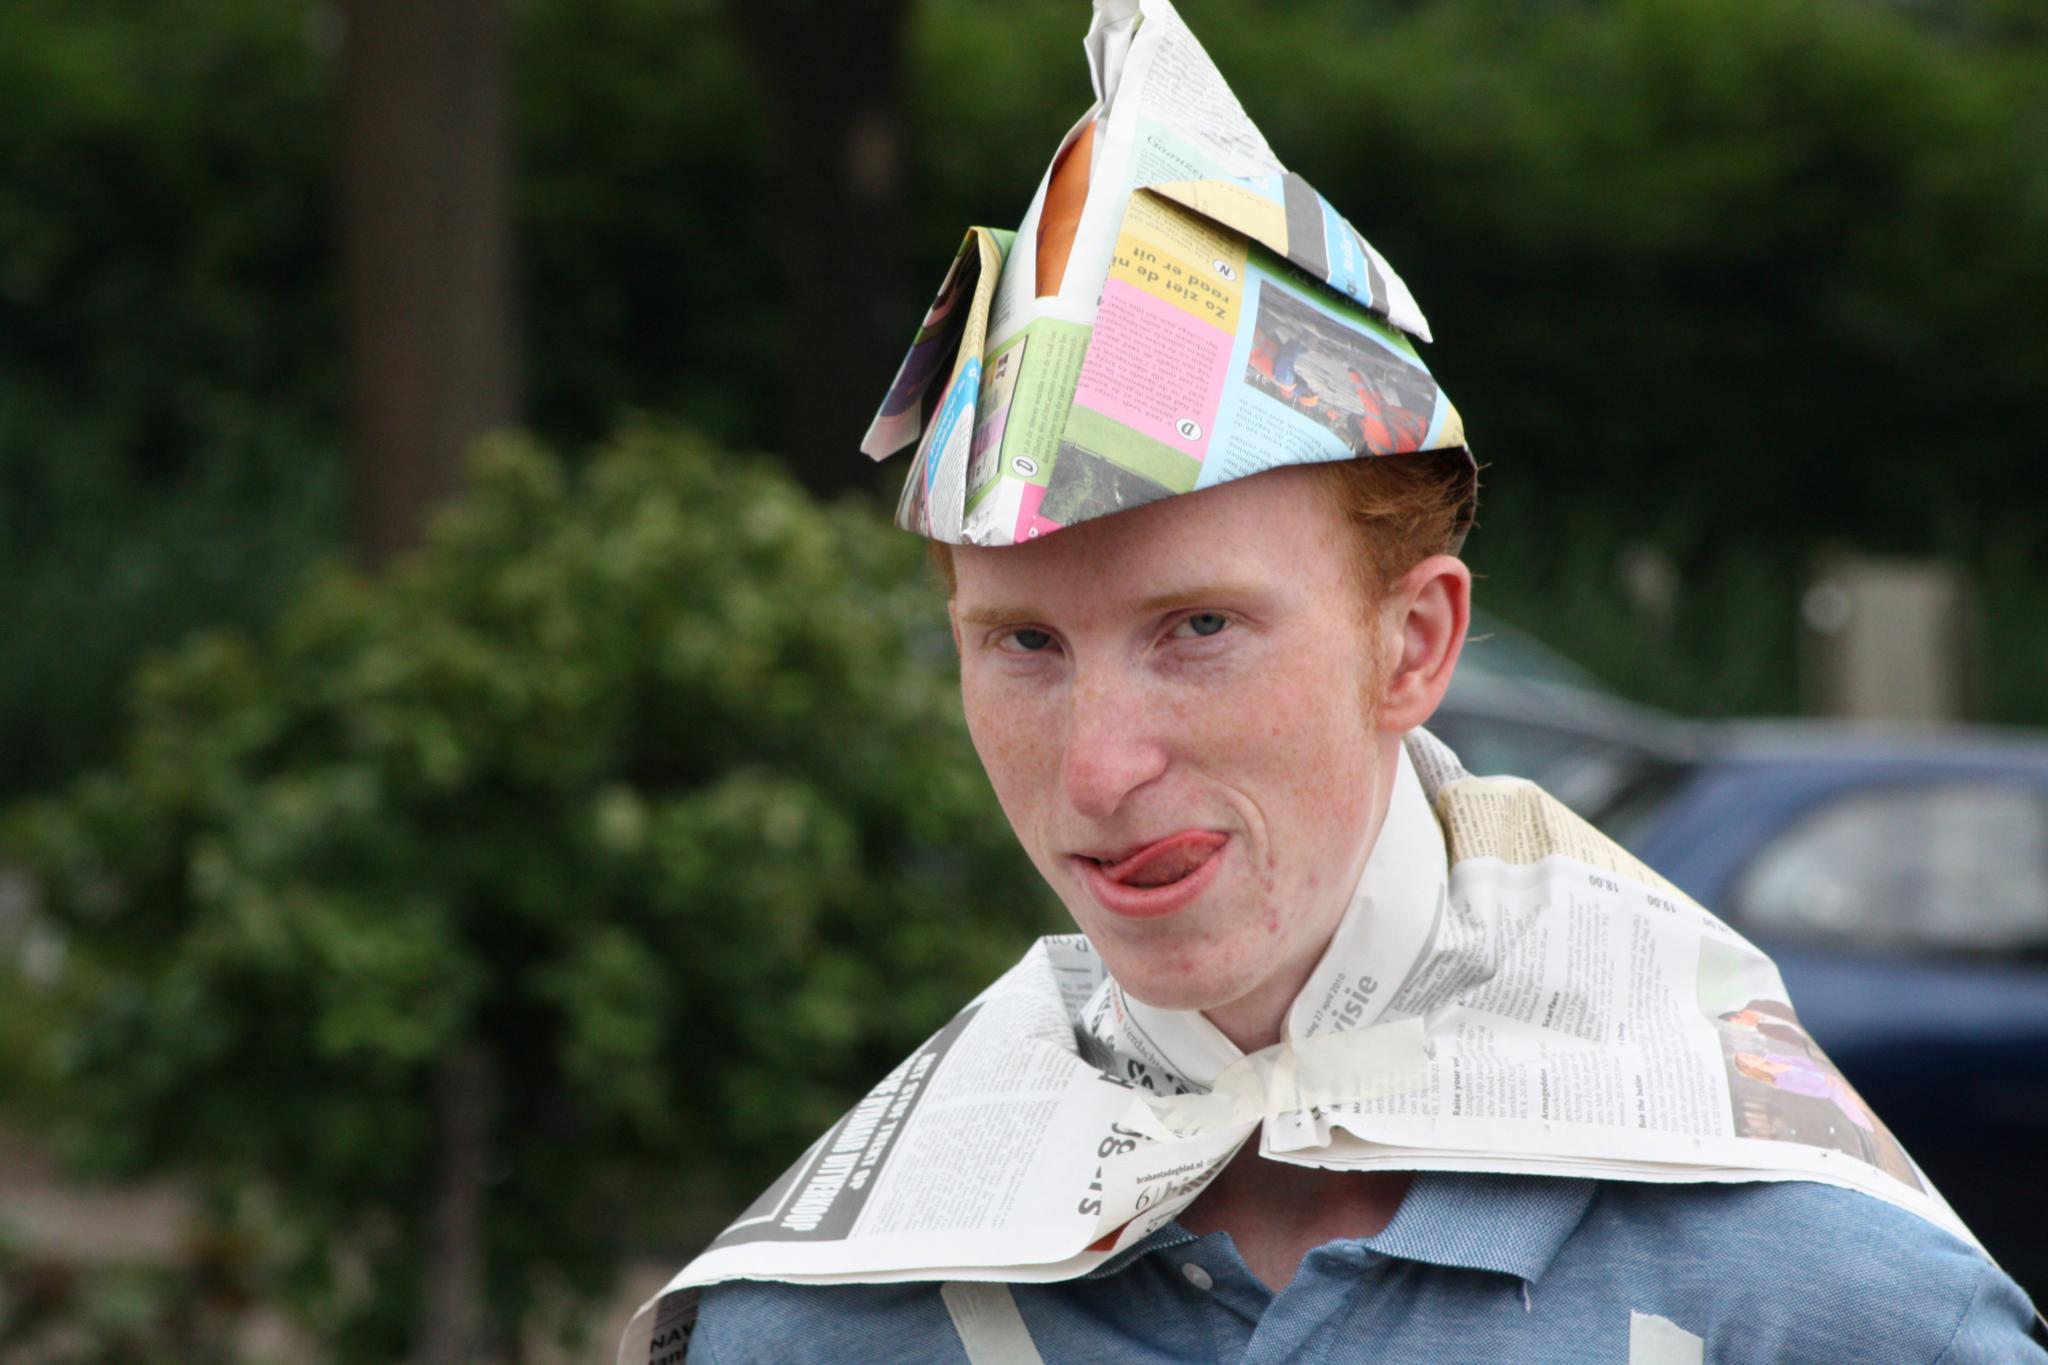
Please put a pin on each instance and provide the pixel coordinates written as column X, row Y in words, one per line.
column 1898, row 876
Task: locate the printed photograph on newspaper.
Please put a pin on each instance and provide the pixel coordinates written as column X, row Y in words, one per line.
column 1781, row 1086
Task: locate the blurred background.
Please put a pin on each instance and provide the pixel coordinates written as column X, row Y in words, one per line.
column 480, row 784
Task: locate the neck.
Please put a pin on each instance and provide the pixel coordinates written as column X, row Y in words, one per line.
column 1258, row 1018
column 1277, row 1213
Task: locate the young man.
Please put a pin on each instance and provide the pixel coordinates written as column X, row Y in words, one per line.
column 1192, row 713
column 1361, row 1058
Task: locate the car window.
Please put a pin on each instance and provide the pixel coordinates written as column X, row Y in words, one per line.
column 1492, row 747
column 1950, row 865
column 1588, row 772
column 1636, row 806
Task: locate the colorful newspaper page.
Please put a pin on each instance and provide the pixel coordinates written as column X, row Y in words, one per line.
column 1216, row 318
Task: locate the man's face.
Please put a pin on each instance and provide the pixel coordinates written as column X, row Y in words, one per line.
column 1174, row 705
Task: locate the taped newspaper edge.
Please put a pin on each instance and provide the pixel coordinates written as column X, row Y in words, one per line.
column 1308, row 1073
column 992, row 1331
column 1660, row 1341
column 659, row 1333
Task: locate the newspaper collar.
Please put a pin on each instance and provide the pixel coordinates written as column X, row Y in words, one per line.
column 1381, row 936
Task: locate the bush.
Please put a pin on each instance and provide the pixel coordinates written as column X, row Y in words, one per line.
column 646, row 790
column 169, row 399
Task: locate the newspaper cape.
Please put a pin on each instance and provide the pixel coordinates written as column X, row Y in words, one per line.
column 1508, row 991
column 1216, row 318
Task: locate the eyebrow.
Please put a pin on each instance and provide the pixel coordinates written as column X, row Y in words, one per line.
column 1202, row 594
column 997, row 616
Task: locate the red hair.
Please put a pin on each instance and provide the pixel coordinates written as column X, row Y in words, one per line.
column 1404, row 508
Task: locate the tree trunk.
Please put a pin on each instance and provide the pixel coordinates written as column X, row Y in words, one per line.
column 832, row 73
column 426, row 227
column 452, row 1295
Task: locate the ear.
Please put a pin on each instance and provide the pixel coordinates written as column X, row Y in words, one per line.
column 1423, row 620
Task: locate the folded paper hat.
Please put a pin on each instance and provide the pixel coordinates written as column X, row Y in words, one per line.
column 1177, row 310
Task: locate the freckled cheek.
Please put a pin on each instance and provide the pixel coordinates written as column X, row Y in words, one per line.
column 1013, row 743
column 1306, row 759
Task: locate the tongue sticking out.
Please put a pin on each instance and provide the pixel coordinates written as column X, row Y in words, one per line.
column 1166, row 861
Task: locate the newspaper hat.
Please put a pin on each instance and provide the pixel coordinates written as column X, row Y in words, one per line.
column 1176, row 310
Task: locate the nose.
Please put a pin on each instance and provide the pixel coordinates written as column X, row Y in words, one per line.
column 1112, row 746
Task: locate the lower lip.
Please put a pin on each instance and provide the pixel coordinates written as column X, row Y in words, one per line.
column 1148, row 902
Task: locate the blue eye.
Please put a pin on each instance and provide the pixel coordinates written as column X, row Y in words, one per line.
column 1202, row 623
column 1030, row 641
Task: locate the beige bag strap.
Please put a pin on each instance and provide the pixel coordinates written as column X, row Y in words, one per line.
column 992, row 1331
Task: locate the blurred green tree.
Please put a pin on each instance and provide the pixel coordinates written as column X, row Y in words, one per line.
column 639, row 797
column 169, row 407
column 425, row 191
column 425, row 198
column 56, row 1313
column 831, row 80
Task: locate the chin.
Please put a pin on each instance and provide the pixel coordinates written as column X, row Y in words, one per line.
column 1170, row 976
column 1175, row 996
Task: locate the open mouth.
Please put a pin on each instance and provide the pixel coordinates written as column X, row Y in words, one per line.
column 1159, row 877
column 1165, row 860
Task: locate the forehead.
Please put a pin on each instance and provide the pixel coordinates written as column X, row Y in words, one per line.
column 1279, row 528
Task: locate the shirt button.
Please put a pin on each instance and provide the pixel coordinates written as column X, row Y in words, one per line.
column 1198, row 1277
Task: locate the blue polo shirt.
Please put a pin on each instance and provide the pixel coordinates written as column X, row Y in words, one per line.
column 1472, row 1268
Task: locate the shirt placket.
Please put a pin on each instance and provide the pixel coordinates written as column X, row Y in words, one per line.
column 1231, row 1300
column 1303, row 1322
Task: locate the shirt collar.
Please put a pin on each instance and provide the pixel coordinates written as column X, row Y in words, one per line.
column 1510, row 1224
column 1172, row 1235
column 1513, row 1224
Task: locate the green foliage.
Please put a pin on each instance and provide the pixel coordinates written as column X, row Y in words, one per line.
column 642, row 197
column 1728, row 648
column 1734, row 269
column 2012, row 604
column 649, row 784
column 185, row 1313
column 168, row 405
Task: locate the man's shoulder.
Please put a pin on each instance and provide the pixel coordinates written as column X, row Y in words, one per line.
column 756, row 1320
column 1797, row 1269
column 1779, row 1228
column 1757, row 1271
